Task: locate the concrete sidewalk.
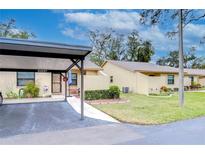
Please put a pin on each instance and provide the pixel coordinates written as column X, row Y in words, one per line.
column 89, row 111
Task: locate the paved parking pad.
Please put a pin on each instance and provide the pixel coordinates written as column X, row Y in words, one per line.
column 41, row 117
column 58, row 123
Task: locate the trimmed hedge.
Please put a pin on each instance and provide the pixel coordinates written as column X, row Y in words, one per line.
column 112, row 93
column 97, row 94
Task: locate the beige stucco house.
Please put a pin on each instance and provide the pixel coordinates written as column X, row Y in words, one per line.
column 145, row 78
column 52, row 83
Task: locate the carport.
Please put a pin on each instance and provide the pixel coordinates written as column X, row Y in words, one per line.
column 18, row 55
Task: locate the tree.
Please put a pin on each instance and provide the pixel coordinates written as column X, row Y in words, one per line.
column 167, row 16
column 9, row 30
column 99, row 41
column 107, row 46
column 138, row 50
column 190, row 60
column 116, row 48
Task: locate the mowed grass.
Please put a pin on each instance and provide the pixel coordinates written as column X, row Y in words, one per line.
column 143, row 109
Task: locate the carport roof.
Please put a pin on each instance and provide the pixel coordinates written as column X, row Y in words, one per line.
column 21, row 47
column 27, row 55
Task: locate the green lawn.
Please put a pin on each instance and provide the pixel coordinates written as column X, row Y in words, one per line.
column 143, row 109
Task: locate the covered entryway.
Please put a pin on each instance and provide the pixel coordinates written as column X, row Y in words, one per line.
column 34, row 56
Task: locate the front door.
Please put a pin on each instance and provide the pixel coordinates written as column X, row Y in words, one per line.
column 56, row 83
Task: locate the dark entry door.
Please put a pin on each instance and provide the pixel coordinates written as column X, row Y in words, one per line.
column 56, row 83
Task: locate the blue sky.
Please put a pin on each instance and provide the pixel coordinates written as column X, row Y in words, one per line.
column 72, row 27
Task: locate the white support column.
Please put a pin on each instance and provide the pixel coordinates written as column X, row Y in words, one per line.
column 82, row 89
column 181, row 61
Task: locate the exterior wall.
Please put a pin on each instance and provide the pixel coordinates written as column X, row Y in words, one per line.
column 93, row 80
column 98, row 82
column 155, row 83
column 8, row 82
column 42, row 80
column 142, row 83
column 121, row 77
column 202, row 80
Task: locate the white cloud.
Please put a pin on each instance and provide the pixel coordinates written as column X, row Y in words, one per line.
column 118, row 20
column 121, row 21
column 194, row 30
column 124, row 22
column 159, row 39
column 75, row 33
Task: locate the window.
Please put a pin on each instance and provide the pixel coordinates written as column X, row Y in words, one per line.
column 25, row 77
column 192, row 78
column 111, row 79
column 170, row 79
column 74, row 79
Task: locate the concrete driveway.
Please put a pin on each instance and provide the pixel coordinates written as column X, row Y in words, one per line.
column 58, row 123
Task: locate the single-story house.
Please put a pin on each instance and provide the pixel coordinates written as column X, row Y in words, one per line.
column 52, row 83
column 145, row 78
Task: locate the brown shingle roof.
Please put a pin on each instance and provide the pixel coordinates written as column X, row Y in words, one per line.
column 150, row 67
column 144, row 67
column 200, row 72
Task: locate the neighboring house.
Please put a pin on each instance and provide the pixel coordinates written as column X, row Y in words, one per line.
column 145, row 78
column 52, row 83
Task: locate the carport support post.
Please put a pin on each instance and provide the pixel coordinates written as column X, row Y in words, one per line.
column 66, row 89
column 82, row 88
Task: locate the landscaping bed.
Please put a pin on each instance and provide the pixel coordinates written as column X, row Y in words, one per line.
column 161, row 94
column 108, row 101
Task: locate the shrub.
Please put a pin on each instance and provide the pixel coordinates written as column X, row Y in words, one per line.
column 114, row 91
column 97, row 94
column 111, row 93
column 31, row 90
column 164, row 89
column 195, row 85
column 198, row 85
column 176, row 89
column 170, row 90
column 11, row 95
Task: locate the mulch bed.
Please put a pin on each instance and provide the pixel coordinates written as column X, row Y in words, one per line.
column 107, row 101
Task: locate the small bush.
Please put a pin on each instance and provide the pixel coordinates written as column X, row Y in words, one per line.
column 11, row 95
column 164, row 89
column 195, row 85
column 31, row 90
column 114, row 91
column 170, row 90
